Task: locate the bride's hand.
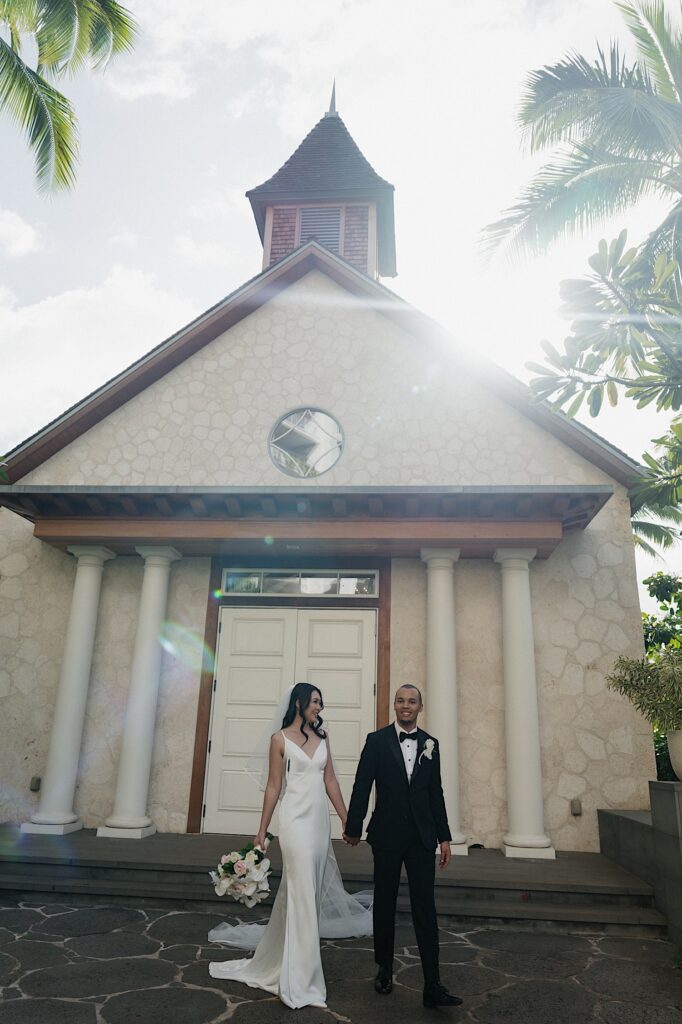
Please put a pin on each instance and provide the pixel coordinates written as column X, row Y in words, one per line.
column 259, row 840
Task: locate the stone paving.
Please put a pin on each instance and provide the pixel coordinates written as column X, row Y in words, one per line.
column 89, row 961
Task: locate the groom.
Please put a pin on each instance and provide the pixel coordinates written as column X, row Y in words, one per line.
column 408, row 821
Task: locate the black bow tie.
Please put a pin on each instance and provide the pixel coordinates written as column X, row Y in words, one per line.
column 407, row 736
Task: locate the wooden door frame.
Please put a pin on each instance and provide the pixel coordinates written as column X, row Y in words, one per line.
column 382, row 604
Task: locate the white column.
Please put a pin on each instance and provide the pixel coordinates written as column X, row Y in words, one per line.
column 55, row 812
column 525, row 816
column 441, row 678
column 129, row 818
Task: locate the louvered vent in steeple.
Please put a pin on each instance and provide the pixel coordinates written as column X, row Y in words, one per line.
column 323, row 223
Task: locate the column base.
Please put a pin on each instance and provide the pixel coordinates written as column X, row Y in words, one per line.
column 530, row 852
column 33, row 828
column 126, row 833
column 460, row 849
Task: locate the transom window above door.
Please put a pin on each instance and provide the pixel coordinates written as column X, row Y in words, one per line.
column 303, row 583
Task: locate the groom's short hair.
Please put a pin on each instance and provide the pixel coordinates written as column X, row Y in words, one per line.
column 410, row 686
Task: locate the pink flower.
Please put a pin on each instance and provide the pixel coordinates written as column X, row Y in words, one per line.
column 240, row 868
column 224, row 859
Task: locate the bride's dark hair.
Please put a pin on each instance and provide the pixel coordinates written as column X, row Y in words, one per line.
column 302, row 692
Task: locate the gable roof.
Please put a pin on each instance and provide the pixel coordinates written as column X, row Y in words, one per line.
column 328, row 165
column 61, row 431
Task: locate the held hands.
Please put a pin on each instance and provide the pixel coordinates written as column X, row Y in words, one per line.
column 348, row 840
column 445, row 855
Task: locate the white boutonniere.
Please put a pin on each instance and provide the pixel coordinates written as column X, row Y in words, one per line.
column 427, row 751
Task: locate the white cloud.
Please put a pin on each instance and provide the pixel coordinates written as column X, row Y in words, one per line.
column 218, row 205
column 167, row 78
column 123, row 237
column 194, row 251
column 17, row 236
column 60, row 349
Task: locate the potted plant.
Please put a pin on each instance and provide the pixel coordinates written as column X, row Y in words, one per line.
column 654, row 685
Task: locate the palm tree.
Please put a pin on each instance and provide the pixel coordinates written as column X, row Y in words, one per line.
column 68, row 35
column 616, row 134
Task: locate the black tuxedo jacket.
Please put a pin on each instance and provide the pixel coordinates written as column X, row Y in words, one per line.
column 399, row 800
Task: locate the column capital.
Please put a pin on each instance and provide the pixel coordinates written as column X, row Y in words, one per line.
column 503, row 555
column 94, row 552
column 445, row 554
column 165, row 554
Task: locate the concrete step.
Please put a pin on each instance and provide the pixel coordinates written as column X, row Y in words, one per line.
column 174, row 878
column 533, row 912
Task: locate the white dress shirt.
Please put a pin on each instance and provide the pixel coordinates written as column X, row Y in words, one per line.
column 408, row 748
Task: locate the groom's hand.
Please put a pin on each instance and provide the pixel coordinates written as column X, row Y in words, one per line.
column 445, row 855
column 351, row 840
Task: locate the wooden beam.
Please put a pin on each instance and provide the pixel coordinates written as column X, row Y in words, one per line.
column 95, row 505
column 383, row 709
column 374, row 530
column 64, row 506
column 522, row 506
column 269, row 507
column 196, row 788
column 198, row 506
column 164, row 506
column 561, row 505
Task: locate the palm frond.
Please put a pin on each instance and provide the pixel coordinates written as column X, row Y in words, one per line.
column 56, row 34
column 45, row 115
column 75, row 33
column 660, row 47
column 584, row 189
column 653, row 537
column 561, row 101
column 666, row 237
column 110, row 30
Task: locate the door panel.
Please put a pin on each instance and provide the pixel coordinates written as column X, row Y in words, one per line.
column 255, row 665
column 336, row 650
column 260, row 653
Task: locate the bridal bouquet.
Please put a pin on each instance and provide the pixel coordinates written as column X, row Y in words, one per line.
column 243, row 874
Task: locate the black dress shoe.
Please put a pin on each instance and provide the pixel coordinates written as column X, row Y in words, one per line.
column 383, row 983
column 438, row 995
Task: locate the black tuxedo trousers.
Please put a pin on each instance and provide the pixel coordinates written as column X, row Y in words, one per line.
column 420, row 864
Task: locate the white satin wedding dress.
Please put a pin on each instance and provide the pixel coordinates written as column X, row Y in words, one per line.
column 310, row 902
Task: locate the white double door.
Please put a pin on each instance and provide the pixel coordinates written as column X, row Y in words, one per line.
column 261, row 652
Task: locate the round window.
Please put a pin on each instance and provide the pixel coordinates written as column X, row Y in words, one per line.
column 306, row 442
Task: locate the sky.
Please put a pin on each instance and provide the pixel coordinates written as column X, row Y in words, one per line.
column 214, row 98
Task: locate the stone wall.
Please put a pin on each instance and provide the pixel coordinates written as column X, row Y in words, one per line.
column 410, row 416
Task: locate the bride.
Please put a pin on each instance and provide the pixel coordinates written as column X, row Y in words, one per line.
column 311, row 901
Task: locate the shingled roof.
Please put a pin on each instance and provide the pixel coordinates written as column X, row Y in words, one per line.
column 328, row 165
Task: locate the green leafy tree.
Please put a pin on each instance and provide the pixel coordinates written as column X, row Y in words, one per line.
column 654, row 683
column 625, row 338
column 615, row 133
column 67, row 36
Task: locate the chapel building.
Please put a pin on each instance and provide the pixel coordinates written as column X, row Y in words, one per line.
column 313, row 481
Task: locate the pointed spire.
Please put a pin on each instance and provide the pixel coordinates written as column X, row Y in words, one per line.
column 332, row 103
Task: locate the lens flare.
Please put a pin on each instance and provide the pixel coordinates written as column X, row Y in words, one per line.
column 186, row 646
